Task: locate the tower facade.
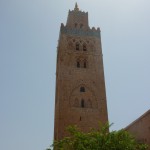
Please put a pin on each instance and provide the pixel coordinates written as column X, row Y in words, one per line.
column 80, row 85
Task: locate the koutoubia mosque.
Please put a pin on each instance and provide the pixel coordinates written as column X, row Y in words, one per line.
column 80, row 83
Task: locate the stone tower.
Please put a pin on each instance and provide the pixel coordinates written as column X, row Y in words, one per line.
column 80, row 85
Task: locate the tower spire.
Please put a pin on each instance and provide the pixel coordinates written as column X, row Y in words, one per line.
column 76, row 7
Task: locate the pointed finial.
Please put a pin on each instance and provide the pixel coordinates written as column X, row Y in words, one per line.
column 76, row 7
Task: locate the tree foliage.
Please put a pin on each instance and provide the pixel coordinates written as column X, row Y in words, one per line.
column 98, row 140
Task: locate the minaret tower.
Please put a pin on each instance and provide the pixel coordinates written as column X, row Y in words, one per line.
column 80, row 85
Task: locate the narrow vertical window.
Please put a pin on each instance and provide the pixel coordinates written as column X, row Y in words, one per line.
column 77, row 46
column 80, row 118
column 78, row 64
column 75, row 25
column 82, row 103
column 84, row 47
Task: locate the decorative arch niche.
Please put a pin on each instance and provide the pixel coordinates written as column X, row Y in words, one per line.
column 83, row 97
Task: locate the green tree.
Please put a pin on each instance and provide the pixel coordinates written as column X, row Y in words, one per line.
column 98, row 140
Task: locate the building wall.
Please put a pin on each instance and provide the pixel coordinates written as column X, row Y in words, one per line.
column 140, row 128
column 80, row 85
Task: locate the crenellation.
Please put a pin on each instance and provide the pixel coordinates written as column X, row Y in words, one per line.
column 78, row 12
column 80, row 32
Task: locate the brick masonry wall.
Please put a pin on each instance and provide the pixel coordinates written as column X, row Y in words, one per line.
column 140, row 128
column 80, row 85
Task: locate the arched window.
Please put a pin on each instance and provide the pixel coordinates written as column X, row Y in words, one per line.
column 82, row 103
column 84, row 47
column 78, row 64
column 77, row 46
column 82, row 89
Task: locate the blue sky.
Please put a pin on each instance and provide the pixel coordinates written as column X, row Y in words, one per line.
column 29, row 31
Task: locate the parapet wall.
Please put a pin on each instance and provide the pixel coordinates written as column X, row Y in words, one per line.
column 80, row 32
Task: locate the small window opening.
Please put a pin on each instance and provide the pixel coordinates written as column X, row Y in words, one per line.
column 84, row 48
column 77, row 46
column 81, row 25
column 75, row 25
column 82, row 103
column 82, row 89
column 78, row 64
